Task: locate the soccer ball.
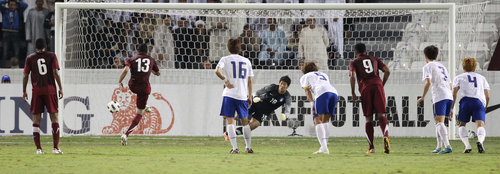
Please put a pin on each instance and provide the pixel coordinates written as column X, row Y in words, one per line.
column 113, row 107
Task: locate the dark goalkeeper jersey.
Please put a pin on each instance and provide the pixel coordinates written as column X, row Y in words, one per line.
column 272, row 99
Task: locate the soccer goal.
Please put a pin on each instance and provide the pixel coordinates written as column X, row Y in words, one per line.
column 93, row 40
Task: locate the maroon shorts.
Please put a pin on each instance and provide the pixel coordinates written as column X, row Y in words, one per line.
column 373, row 100
column 142, row 96
column 49, row 101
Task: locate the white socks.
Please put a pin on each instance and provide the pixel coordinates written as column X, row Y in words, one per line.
column 326, row 126
column 444, row 134
column 462, row 131
column 320, row 133
column 232, row 135
column 248, row 136
column 438, row 138
column 481, row 134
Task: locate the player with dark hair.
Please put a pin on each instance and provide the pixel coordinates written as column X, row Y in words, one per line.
column 266, row 100
column 366, row 69
column 141, row 66
column 43, row 67
column 237, row 73
column 436, row 75
column 475, row 92
column 323, row 104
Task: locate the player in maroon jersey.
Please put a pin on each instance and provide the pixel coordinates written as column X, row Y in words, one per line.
column 371, row 87
column 140, row 67
column 43, row 67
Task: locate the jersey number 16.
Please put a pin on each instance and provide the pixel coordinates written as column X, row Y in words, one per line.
column 242, row 70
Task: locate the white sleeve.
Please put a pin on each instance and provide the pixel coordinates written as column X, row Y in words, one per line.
column 456, row 81
column 303, row 81
column 221, row 63
column 486, row 85
column 426, row 73
column 250, row 70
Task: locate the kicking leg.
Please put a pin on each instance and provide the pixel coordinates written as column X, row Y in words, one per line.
column 135, row 122
column 142, row 99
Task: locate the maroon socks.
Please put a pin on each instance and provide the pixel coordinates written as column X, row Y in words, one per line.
column 135, row 122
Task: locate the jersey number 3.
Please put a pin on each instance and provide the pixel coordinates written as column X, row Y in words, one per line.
column 368, row 66
column 144, row 68
column 445, row 78
column 42, row 68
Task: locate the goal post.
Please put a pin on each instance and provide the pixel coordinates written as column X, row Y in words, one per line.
column 66, row 50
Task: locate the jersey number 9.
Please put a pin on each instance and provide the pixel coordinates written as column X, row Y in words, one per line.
column 368, row 66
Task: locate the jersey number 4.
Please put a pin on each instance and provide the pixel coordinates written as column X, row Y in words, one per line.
column 242, row 71
column 144, row 68
column 473, row 81
column 42, row 68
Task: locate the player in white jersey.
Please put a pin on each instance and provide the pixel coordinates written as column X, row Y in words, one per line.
column 436, row 75
column 237, row 73
column 475, row 92
column 323, row 103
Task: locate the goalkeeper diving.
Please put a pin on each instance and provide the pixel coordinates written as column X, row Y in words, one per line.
column 266, row 100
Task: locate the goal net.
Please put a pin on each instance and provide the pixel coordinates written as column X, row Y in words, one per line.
column 187, row 41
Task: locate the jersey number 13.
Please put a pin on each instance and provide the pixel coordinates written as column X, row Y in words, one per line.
column 144, row 68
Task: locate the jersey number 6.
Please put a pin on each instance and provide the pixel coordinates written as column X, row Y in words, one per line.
column 42, row 68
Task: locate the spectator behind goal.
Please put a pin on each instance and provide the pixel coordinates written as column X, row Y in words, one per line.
column 14, row 62
column 12, row 19
column 6, row 79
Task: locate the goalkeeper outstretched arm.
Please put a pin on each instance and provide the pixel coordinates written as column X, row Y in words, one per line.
column 288, row 104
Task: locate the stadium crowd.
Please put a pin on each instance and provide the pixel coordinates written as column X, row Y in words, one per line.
column 175, row 41
column 23, row 21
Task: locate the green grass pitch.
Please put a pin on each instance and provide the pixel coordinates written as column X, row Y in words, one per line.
column 160, row 154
